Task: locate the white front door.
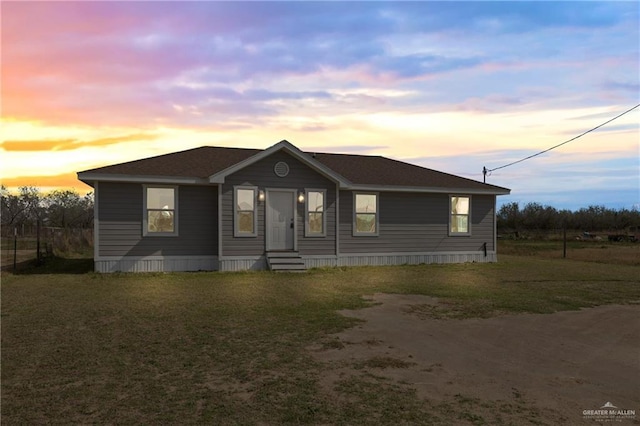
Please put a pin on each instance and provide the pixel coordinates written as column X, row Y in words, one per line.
column 280, row 220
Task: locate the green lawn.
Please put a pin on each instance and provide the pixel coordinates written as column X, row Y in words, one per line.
column 231, row 348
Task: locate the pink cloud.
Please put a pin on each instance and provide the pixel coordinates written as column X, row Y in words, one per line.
column 112, row 62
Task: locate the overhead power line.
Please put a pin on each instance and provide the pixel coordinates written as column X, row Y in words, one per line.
column 485, row 170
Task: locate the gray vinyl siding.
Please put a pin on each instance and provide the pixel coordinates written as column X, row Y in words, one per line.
column 261, row 175
column 120, row 222
column 415, row 222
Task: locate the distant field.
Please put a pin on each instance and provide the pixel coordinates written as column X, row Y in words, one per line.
column 233, row 348
column 615, row 253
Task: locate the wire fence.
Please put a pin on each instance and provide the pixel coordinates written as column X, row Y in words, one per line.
column 631, row 235
column 613, row 247
column 23, row 246
column 20, row 247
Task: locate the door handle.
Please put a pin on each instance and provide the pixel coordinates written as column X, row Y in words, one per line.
column 291, row 225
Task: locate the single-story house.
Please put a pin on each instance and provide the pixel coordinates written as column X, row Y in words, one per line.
column 230, row 209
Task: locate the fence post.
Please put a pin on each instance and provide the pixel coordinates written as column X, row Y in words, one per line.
column 564, row 240
column 38, row 242
column 15, row 248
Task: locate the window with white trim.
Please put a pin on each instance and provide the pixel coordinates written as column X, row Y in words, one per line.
column 315, row 223
column 459, row 215
column 246, row 219
column 160, row 211
column 365, row 217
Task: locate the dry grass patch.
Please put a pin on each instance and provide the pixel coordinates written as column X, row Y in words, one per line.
column 223, row 348
column 383, row 362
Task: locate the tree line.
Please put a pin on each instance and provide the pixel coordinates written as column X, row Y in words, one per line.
column 29, row 208
column 537, row 217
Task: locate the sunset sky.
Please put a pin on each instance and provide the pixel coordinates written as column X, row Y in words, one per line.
column 453, row 86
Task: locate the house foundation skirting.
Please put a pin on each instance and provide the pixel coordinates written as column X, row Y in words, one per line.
column 257, row 263
column 108, row 264
column 243, row 263
column 381, row 259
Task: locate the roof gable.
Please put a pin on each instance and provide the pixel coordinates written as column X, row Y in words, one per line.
column 280, row 146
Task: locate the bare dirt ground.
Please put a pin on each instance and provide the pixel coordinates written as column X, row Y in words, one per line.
column 21, row 256
column 532, row 368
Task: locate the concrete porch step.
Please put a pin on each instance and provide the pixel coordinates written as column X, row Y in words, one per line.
column 280, row 254
column 285, row 262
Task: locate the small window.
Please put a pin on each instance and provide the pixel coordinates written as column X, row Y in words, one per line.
column 315, row 222
column 366, row 218
column 160, row 216
column 245, row 215
column 459, row 223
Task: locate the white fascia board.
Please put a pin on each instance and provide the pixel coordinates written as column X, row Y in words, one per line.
column 391, row 188
column 291, row 149
column 104, row 177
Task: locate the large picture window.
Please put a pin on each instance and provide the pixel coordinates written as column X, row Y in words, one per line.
column 315, row 225
column 366, row 219
column 245, row 212
column 460, row 213
column 160, row 216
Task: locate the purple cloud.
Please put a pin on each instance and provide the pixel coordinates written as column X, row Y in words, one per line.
column 123, row 63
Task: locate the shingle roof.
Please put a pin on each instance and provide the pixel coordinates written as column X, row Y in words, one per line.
column 358, row 169
column 377, row 170
column 197, row 162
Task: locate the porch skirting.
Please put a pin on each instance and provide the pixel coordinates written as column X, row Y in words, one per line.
column 156, row 263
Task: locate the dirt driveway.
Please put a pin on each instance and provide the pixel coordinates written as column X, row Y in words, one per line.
column 544, row 368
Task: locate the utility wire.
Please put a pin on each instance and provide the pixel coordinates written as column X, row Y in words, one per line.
column 485, row 170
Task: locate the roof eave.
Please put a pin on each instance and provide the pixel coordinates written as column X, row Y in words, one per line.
column 426, row 189
column 89, row 178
